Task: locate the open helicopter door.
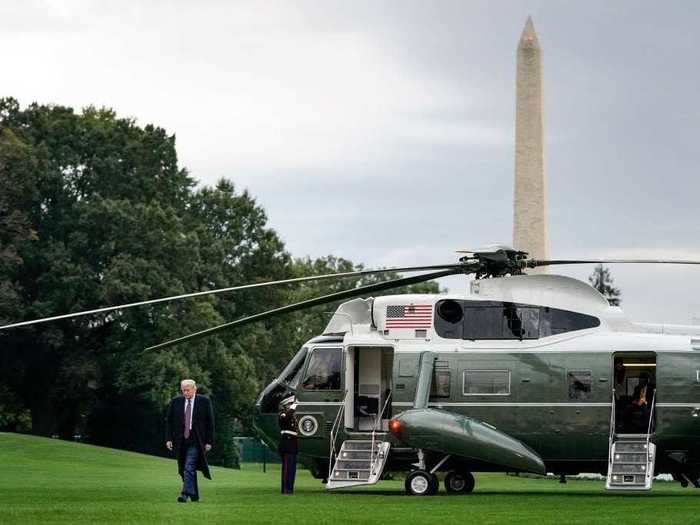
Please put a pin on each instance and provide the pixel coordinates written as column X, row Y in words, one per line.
column 632, row 454
column 368, row 376
column 367, row 410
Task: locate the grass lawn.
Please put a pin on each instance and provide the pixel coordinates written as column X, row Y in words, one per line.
column 51, row 481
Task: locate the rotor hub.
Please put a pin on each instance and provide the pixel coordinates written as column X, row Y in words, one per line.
column 498, row 263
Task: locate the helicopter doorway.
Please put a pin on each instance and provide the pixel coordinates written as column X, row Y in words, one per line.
column 369, row 378
column 634, row 380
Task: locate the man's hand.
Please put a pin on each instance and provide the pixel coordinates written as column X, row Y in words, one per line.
column 207, row 447
column 169, row 445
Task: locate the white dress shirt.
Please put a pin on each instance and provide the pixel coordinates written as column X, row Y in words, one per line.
column 185, row 409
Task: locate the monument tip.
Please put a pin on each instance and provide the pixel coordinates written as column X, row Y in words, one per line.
column 529, row 36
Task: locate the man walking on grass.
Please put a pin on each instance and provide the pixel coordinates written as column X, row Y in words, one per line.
column 190, row 434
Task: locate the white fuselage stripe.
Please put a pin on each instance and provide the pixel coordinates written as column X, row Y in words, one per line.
column 508, row 404
column 568, row 351
column 502, row 404
column 319, row 403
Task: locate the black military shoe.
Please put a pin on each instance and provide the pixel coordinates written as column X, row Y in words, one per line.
column 194, row 499
column 182, row 498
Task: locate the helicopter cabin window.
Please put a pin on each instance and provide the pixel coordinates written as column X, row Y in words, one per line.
column 440, row 387
column 323, row 371
column 580, row 382
column 449, row 319
column 475, row 320
column 486, row 383
column 502, row 321
column 557, row 321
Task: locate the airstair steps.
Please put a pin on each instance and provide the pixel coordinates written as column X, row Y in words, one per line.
column 359, row 462
column 631, row 463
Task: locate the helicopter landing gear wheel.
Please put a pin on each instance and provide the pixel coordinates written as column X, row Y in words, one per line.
column 459, row 482
column 421, row 483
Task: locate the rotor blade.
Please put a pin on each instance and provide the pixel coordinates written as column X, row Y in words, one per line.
column 534, row 262
column 231, row 289
column 346, row 294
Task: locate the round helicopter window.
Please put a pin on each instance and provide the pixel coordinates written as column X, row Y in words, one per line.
column 451, row 311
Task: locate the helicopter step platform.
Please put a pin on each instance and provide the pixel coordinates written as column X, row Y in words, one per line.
column 631, row 464
column 359, row 462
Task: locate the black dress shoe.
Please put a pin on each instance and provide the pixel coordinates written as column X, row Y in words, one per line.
column 194, row 499
column 182, row 499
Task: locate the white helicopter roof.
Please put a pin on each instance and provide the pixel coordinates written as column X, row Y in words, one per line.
column 366, row 319
column 555, row 291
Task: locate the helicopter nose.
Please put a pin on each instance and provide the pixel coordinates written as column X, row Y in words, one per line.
column 266, row 426
column 270, row 398
column 265, row 420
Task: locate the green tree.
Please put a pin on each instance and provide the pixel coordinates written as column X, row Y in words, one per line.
column 602, row 281
column 94, row 210
column 15, row 229
column 102, row 200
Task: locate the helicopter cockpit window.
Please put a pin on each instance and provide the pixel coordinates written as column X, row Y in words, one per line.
column 580, row 385
column 323, row 371
column 290, row 375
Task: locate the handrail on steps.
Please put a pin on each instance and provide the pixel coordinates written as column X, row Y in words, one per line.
column 377, row 422
column 611, row 438
column 333, row 436
column 651, row 421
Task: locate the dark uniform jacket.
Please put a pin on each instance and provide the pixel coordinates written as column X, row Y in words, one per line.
column 202, row 430
column 288, row 430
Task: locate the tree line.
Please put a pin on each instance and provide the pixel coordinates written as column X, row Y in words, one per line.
column 95, row 210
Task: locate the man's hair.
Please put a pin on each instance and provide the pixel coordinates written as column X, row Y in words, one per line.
column 188, row 382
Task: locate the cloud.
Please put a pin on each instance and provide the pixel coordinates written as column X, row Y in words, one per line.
column 383, row 132
column 246, row 86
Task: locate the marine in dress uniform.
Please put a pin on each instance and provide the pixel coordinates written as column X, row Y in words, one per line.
column 287, row 447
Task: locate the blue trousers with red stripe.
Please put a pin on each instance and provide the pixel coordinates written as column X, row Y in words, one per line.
column 289, row 471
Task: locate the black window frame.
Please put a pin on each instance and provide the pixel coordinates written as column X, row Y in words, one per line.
column 506, row 321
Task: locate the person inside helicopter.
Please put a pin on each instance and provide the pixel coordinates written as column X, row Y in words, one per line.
column 641, row 403
column 324, row 370
column 634, row 410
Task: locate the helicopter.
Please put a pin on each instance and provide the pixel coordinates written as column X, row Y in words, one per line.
column 524, row 373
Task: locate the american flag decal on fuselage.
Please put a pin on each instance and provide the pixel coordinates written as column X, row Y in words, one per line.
column 409, row 316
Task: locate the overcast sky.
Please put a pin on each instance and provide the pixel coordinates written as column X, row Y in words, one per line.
column 383, row 131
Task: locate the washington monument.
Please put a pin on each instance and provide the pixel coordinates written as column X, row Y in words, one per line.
column 530, row 199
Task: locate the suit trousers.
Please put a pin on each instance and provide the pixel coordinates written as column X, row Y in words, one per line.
column 189, row 486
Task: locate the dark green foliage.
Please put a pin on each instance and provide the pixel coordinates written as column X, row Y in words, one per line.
column 602, row 281
column 95, row 211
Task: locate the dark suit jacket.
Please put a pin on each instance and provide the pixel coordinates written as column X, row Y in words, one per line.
column 202, row 428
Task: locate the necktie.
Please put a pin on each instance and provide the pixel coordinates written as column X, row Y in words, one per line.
column 188, row 418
